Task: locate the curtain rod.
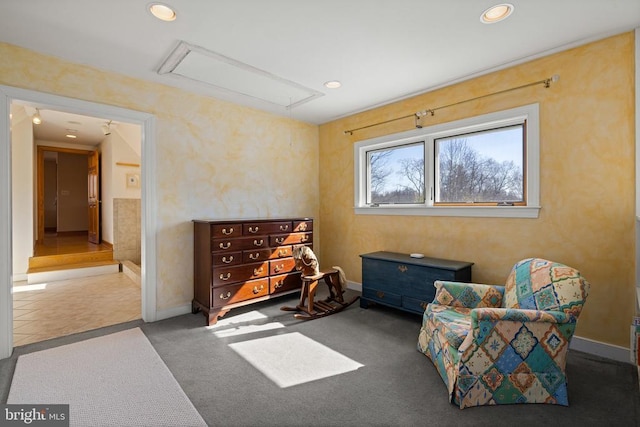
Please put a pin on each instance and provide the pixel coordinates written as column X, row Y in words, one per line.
column 431, row 111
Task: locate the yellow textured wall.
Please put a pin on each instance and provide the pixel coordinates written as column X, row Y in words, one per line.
column 215, row 159
column 587, row 183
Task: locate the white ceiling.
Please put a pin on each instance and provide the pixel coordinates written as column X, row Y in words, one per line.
column 56, row 125
column 381, row 50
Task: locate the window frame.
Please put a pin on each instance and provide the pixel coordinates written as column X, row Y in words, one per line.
column 528, row 114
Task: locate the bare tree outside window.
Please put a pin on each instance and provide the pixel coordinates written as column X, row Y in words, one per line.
column 380, row 170
column 396, row 175
column 472, row 169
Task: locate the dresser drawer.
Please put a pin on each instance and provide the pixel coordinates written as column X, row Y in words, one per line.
column 290, row 239
column 242, row 243
column 281, row 252
column 262, row 228
column 226, row 230
column 284, row 282
column 302, row 226
column 256, row 255
column 226, row 258
column 230, row 294
column 383, row 297
column 282, row 265
column 227, row 275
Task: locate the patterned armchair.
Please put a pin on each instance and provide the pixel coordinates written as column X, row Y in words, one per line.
column 495, row 345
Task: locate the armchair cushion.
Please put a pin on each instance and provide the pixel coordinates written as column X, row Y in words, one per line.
column 468, row 295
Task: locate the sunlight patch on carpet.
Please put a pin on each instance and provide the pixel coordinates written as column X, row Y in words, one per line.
column 237, row 319
column 292, row 359
column 242, row 324
column 247, row 329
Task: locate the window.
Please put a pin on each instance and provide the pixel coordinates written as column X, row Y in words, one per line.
column 396, row 174
column 482, row 166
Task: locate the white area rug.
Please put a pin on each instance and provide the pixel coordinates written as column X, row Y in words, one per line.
column 113, row 380
column 291, row 359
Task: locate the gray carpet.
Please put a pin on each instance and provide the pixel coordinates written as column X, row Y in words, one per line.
column 397, row 386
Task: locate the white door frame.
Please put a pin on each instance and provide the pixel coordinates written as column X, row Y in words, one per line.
column 148, row 226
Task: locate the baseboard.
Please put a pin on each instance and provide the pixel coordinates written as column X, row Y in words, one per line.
column 173, row 312
column 597, row 348
column 586, row 345
column 19, row 277
column 354, row 286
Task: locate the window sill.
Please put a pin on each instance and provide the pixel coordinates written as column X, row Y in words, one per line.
column 462, row 211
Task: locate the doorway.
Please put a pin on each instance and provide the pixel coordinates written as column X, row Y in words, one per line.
column 64, row 192
column 71, row 267
column 148, row 243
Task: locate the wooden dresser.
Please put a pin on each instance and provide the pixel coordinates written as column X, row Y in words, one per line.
column 240, row 262
column 406, row 283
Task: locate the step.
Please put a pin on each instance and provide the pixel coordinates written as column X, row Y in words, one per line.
column 71, row 271
column 69, row 259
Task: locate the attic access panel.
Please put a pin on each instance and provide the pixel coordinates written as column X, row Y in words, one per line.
column 205, row 66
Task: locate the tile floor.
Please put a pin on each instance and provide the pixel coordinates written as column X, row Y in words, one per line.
column 65, row 307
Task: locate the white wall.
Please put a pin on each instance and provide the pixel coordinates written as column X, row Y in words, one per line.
column 22, row 153
column 123, row 145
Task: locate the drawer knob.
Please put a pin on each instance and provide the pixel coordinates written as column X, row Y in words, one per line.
column 279, row 284
column 284, row 227
column 402, row 268
column 225, row 276
column 227, row 232
column 380, row 294
column 257, row 271
column 302, row 226
column 225, row 245
column 258, row 242
column 256, row 290
column 254, row 230
column 282, row 252
column 223, row 296
column 227, row 261
column 279, row 240
column 424, row 305
column 278, row 268
column 304, row 239
column 255, row 255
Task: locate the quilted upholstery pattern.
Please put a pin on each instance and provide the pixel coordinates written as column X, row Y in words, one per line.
column 544, row 285
column 491, row 349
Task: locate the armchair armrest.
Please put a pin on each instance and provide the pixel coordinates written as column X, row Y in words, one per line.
column 468, row 295
column 520, row 315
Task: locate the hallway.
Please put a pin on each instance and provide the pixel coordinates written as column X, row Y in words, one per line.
column 73, row 242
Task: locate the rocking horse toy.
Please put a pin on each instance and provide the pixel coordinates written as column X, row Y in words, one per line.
column 335, row 279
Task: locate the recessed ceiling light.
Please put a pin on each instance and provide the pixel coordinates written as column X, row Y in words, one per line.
column 332, row 84
column 162, row 12
column 496, row 13
column 70, row 135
